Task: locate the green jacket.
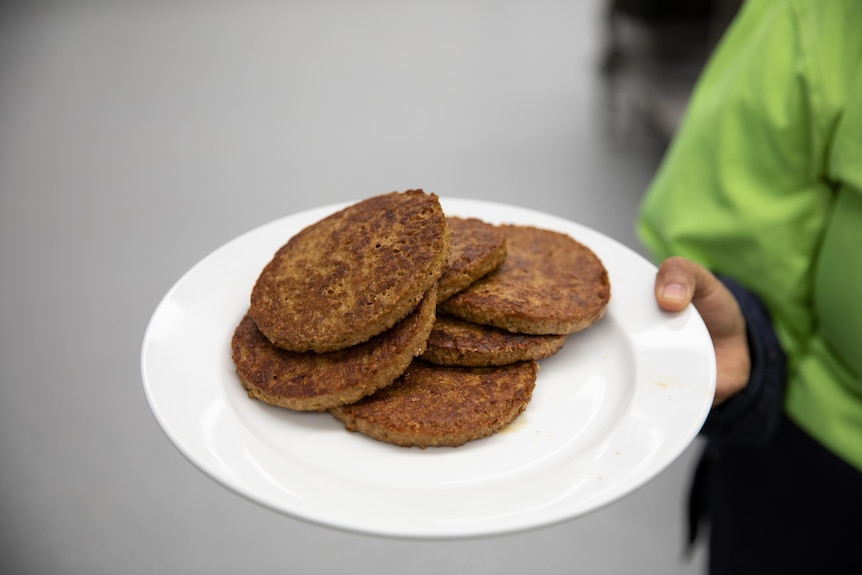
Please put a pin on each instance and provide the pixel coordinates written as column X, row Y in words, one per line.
column 763, row 183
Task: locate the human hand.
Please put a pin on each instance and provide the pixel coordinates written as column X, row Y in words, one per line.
column 680, row 281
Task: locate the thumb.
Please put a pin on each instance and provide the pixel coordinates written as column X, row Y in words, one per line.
column 680, row 281
column 677, row 280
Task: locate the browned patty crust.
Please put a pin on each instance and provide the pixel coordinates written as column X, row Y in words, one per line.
column 477, row 248
column 431, row 405
column 454, row 341
column 310, row 381
column 353, row 274
column 549, row 284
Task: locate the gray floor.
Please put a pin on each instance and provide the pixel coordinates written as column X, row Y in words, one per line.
column 135, row 138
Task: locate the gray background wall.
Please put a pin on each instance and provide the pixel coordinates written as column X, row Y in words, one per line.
column 136, row 137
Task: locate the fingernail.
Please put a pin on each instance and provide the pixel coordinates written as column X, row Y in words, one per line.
column 674, row 292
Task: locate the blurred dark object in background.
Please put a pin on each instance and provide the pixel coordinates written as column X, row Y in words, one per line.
column 654, row 51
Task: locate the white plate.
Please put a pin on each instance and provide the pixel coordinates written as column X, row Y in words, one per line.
column 609, row 412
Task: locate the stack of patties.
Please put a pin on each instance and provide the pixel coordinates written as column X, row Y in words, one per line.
column 410, row 327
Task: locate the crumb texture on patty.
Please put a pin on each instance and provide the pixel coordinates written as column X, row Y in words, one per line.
column 548, row 284
column 353, row 274
column 477, row 249
column 315, row 382
column 431, row 405
column 454, row 341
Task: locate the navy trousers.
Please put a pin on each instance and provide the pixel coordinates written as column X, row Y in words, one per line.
column 786, row 507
